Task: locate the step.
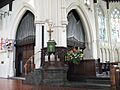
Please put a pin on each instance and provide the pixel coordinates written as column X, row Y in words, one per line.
column 99, row 81
column 88, row 86
column 17, row 78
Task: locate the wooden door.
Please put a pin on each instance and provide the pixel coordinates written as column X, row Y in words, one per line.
column 23, row 53
column 25, row 40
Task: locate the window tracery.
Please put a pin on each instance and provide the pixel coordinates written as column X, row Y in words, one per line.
column 115, row 24
column 101, row 24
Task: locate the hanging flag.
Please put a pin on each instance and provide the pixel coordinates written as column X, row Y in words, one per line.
column 2, row 43
column 6, row 44
column 9, row 43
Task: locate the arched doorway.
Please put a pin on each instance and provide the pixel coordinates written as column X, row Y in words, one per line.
column 25, row 42
column 75, row 30
column 75, row 38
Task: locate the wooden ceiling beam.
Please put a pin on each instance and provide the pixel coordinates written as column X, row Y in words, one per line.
column 5, row 2
column 112, row 0
column 95, row 1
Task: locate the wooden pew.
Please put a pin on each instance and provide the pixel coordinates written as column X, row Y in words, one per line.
column 115, row 77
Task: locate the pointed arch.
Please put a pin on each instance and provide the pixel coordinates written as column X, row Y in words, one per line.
column 25, row 42
column 89, row 34
column 26, row 30
column 14, row 22
column 85, row 20
column 15, row 19
column 75, row 30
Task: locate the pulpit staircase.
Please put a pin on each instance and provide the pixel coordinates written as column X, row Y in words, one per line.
column 88, row 83
column 52, row 72
column 48, row 73
column 30, row 70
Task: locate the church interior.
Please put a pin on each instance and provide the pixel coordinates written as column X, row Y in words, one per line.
column 60, row 44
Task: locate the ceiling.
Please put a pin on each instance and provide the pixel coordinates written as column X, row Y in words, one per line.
column 5, row 2
column 111, row 0
column 108, row 1
column 95, row 1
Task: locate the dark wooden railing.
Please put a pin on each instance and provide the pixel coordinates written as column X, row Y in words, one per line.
column 58, row 57
column 30, row 65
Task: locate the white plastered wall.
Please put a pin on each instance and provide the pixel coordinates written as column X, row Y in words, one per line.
column 109, row 46
column 43, row 13
column 7, row 69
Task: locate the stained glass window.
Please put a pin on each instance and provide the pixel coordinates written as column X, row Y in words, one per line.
column 101, row 24
column 115, row 24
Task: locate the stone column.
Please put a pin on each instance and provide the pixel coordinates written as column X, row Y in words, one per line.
column 40, row 10
column 97, row 31
column 59, row 20
column 63, row 23
column 39, row 22
column 38, row 43
column 109, row 36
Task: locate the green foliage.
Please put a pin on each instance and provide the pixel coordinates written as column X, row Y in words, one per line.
column 74, row 57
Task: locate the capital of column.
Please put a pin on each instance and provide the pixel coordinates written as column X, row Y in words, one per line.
column 64, row 22
column 39, row 22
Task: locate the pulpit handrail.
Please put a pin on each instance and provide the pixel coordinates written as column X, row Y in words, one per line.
column 30, row 59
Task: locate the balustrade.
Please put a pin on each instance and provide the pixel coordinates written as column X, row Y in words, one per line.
column 53, row 59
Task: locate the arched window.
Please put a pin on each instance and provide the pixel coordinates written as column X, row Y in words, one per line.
column 115, row 24
column 101, row 24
